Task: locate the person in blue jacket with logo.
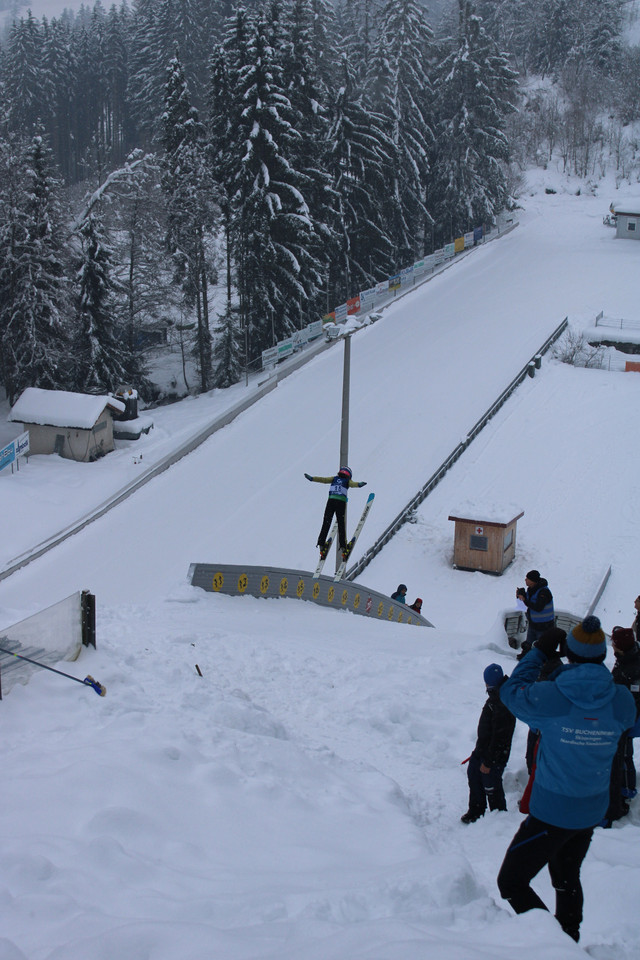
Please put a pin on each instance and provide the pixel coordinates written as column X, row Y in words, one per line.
column 581, row 715
column 336, row 505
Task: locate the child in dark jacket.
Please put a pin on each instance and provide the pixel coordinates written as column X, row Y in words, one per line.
column 492, row 749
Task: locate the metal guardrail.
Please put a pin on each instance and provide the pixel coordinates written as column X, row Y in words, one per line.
column 433, row 481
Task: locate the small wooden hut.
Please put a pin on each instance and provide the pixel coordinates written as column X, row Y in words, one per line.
column 485, row 538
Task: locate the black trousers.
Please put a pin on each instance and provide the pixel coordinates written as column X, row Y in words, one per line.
column 337, row 508
column 623, row 779
column 485, row 787
column 535, row 845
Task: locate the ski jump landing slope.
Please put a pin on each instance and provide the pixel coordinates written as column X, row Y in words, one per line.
column 420, row 379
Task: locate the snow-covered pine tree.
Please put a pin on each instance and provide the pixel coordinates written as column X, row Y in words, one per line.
column 273, row 231
column 358, row 162
column 23, row 80
column 399, row 89
column 33, row 292
column 59, row 79
column 116, row 71
column 99, row 349
column 228, row 348
column 310, row 101
column 475, row 90
column 189, row 192
column 221, row 132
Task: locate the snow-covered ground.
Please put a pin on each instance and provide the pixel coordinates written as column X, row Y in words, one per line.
column 301, row 799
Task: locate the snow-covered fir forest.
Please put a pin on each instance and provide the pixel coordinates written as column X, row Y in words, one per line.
column 237, row 170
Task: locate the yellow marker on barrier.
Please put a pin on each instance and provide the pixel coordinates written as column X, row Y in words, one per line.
column 243, row 582
column 264, row 584
column 218, row 581
column 316, row 590
column 356, row 601
column 300, row 588
column 380, row 608
column 390, row 614
column 284, row 586
column 331, row 594
column 345, row 597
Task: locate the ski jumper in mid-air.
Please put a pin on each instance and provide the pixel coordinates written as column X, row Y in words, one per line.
column 336, row 505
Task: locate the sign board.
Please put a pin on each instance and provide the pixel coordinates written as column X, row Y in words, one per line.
column 469, row 239
column 300, row 338
column 449, row 250
column 406, row 275
column 394, row 282
column 367, row 298
column 458, row 244
column 269, row 357
column 477, row 234
column 285, row 348
column 314, row 329
column 353, row 305
column 341, row 312
column 438, row 256
column 382, row 287
column 7, row 455
column 17, row 448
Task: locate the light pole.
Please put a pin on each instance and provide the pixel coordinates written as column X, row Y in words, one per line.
column 344, row 429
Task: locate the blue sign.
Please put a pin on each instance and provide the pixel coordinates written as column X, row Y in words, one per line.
column 7, row 455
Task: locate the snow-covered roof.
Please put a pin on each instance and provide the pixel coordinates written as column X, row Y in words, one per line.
column 629, row 206
column 498, row 514
column 61, row 408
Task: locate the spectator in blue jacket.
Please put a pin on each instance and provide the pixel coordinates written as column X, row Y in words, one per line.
column 581, row 715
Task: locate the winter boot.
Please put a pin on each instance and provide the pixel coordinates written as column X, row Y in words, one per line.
column 472, row 814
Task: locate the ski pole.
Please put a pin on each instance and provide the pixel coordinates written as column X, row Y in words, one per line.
column 88, row 680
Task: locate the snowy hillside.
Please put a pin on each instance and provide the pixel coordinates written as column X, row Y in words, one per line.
column 300, row 800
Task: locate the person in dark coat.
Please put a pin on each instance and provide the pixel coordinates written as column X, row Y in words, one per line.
column 538, row 600
column 492, row 749
column 400, row 595
column 636, row 622
column 416, row 605
column 626, row 671
column 581, row 716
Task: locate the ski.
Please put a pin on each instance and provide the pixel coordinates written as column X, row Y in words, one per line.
column 325, row 554
column 365, row 513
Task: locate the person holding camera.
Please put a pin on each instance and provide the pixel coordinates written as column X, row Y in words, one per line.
column 538, row 600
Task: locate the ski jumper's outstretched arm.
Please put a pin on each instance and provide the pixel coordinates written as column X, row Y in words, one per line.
column 352, row 483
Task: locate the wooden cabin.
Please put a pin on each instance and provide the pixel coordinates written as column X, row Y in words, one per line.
column 485, row 539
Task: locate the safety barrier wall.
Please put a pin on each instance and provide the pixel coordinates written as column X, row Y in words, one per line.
column 528, row 370
column 53, row 634
column 236, row 580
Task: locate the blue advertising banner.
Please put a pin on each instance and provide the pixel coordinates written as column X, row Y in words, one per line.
column 7, row 455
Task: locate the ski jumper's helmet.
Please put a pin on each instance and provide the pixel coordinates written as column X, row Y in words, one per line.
column 345, row 472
